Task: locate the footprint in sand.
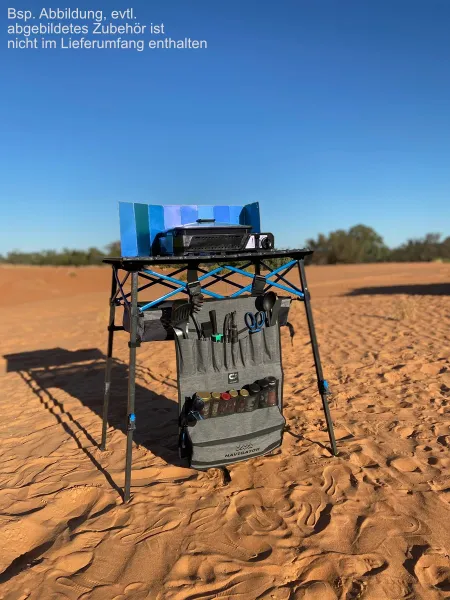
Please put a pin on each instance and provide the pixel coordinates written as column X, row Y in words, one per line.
column 315, row 591
column 166, row 519
column 433, row 369
column 405, row 432
column 74, row 562
column 405, row 464
column 338, row 481
column 23, row 536
column 314, row 514
column 444, row 440
column 257, row 513
column 335, row 567
column 431, row 567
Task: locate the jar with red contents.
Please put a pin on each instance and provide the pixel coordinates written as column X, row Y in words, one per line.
column 224, row 403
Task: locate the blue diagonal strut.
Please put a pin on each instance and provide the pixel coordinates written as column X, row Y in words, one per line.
column 182, row 285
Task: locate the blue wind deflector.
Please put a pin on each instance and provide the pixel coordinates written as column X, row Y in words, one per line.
column 141, row 223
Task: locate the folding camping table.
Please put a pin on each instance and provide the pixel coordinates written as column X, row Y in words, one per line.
column 143, row 276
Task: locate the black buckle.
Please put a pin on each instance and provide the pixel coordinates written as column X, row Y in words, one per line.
column 192, row 274
column 194, row 288
column 136, row 345
column 258, row 285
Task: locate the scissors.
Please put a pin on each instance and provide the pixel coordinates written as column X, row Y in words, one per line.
column 255, row 321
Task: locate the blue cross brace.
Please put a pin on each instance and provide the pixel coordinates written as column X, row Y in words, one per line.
column 182, row 286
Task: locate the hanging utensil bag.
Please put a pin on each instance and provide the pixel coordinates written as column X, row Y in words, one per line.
column 206, row 365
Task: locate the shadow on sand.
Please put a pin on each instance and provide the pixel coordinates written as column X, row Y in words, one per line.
column 156, row 415
column 426, row 289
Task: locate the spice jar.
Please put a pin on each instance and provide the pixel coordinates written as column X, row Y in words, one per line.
column 264, row 393
column 253, row 397
column 241, row 401
column 215, row 404
column 224, row 400
column 202, row 404
column 232, row 402
column 272, row 395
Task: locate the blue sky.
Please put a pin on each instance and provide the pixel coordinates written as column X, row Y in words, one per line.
column 329, row 113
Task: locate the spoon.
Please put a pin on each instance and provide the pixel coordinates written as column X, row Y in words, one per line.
column 268, row 303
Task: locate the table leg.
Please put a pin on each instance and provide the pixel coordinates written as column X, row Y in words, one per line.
column 131, row 418
column 112, row 312
column 323, row 386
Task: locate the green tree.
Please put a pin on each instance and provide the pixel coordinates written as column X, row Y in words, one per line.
column 359, row 244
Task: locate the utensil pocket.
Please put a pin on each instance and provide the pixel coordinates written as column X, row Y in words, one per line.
column 217, row 352
column 186, row 356
column 203, row 355
column 256, row 348
column 236, row 356
column 227, row 356
column 243, row 351
column 271, row 344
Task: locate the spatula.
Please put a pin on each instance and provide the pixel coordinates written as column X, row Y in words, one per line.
column 180, row 319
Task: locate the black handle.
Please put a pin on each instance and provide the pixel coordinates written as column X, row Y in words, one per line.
column 206, row 220
column 234, row 329
column 213, row 317
column 226, row 327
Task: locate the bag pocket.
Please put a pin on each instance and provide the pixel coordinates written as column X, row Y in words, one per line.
column 236, row 355
column 203, row 355
column 186, row 356
column 244, row 352
column 256, row 348
column 227, row 356
column 217, row 351
column 232, row 438
column 271, row 344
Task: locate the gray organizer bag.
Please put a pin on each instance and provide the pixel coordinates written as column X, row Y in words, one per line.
column 205, row 365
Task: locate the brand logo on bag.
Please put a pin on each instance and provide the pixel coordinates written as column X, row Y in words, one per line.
column 233, row 377
column 243, row 449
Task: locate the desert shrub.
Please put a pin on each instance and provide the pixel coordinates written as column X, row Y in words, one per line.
column 360, row 244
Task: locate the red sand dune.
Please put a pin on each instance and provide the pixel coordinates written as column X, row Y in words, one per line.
column 373, row 523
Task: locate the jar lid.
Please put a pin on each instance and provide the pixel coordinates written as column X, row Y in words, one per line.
column 244, row 393
column 225, row 396
column 215, row 396
column 263, row 383
column 254, row 388
column 233, row 393
column 203, row 395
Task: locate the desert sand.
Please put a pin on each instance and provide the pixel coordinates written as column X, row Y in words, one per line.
column 372, row 523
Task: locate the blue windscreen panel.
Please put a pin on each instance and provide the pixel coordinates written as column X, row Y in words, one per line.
column 250, row 216
column 221, row 214
column 189, row 214
column 156, row 220
column 235, row 214
column 142, row 229
column 141, row 223
column 205, row 211
column 134, row 229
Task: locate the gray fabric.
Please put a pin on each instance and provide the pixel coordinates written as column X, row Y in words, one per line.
column 153, row 325
column 205, row 365
column 232, row 438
